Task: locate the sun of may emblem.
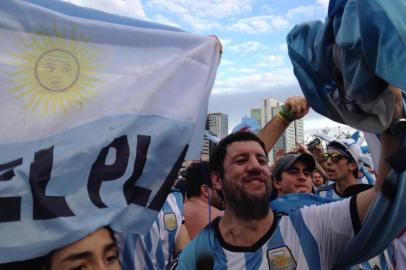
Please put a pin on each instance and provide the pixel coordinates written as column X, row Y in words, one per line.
column 55, row 71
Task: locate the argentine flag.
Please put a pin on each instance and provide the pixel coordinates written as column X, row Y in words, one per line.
column 97, row 112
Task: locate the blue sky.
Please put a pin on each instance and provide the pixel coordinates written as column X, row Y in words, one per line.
column 255, row 62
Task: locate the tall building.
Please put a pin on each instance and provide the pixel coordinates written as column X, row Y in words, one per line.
column 257, row 115
column 217, row 124
column 267, row 109
column 294, row 133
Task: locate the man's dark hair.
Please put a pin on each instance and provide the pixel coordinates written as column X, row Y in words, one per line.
column 197, row 174
column 40, row 263
column 219, row 152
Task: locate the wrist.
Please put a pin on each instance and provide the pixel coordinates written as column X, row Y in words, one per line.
column 286, row 114
column 282, row 119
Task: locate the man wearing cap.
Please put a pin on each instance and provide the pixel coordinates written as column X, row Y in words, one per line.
column 292, row 174
column 342, row 162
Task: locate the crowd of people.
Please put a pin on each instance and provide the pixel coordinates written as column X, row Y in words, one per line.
column 239, row 210
column 236, row 211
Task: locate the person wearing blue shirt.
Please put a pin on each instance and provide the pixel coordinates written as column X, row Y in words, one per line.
column 158, row 248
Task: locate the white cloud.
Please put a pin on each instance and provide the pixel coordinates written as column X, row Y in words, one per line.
column 235, row 70
column 204, row 9
column 133, row 8
column 245, row 46
column 256, row 82
column 302, row 11
column 200, row 24
column 271, row 60
column 225, row 62
column 259, row 24
column 324, row 3
column 283, row 47
column 202, row 15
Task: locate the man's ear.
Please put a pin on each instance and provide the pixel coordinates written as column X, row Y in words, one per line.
column 216, row 180
column 204, row 191
column 276, row 184
column 353, row 166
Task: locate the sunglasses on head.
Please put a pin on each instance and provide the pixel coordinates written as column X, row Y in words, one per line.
column 334, row 157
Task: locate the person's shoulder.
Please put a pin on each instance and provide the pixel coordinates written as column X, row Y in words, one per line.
column 355, row 189
column 199, row 251
column 175, row 198
column 175, row 192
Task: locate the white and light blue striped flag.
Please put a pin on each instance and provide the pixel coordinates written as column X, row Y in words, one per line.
column 97, row 112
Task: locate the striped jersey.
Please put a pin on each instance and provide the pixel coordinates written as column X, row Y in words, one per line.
column 154, row 249
column 328, row 192
column 308, row 238
column 383, row 261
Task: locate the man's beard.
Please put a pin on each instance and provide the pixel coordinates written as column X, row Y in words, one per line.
column 245, row 205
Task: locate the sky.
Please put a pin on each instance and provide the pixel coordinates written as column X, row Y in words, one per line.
column 255, row 62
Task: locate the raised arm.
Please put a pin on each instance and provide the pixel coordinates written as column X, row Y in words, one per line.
column 294, row 108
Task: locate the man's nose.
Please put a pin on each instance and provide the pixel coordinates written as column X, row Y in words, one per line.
column 302, row 175
column 254, row 164
column 328, row 161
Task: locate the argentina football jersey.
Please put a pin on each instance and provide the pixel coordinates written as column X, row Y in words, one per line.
column 154, row 250
column 307, row 238
column 328, row 192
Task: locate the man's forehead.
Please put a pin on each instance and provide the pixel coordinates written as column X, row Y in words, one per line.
column 239, row 147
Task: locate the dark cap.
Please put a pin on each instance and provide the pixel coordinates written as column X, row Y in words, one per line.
column 289, row 159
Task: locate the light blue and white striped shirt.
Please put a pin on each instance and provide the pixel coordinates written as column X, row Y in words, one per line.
column 154, row 250
column 328, row 192
column 307, row 238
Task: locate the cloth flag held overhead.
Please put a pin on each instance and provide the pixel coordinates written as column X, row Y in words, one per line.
column 97, row 113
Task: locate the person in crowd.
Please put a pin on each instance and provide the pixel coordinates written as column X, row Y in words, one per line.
column 160, row 247
column 317, row 179
column 292, row 174
column 97, row 250
column 341, row 160
column 249, row 235
column 203, row 203
column 288, row 170
column 367, row 174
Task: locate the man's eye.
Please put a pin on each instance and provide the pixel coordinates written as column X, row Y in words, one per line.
column 240, row 160
column 263, row 161
column 112, row 259
column 80, row 267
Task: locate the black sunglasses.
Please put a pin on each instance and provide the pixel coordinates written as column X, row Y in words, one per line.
column 334, row 157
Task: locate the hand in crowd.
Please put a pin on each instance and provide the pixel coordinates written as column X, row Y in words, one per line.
column 297, row 105
column 302, row 149
column 317, row 153
column 398, row 108
column 279, row 154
